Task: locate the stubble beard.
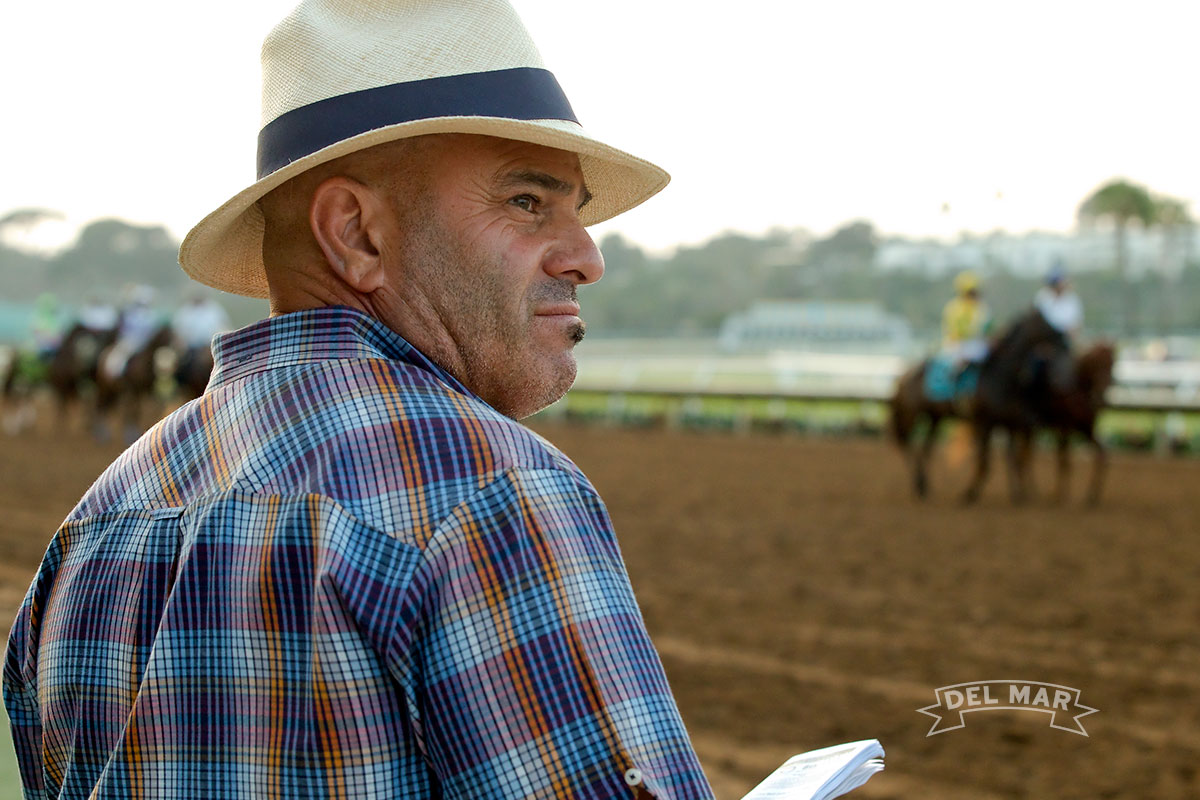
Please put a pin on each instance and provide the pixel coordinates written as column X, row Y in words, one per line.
column 491, row 330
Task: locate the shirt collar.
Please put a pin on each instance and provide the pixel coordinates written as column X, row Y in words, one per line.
column 319, row 334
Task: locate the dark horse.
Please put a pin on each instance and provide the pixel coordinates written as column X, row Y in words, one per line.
column 73, row 370
column 69, row 372
column 192, row 372
column 910, row 406
column 1022, row 387
column 134, row 385
column 1029, row 383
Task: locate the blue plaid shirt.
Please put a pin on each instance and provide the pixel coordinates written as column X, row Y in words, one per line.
column 339, row 574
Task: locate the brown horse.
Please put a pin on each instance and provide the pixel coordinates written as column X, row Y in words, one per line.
column 68, row 372
column 1069, row 407
column 73, row 370
column 909, row 408
column 1029, row 382
column 135, row 384
column 192, row 373
column 1014, row 395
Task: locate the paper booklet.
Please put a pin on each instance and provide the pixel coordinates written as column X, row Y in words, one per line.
column 822, row 774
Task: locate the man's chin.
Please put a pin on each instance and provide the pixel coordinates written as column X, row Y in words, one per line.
column 556, row 378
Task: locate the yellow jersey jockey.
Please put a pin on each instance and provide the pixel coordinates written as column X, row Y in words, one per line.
column 965, row 322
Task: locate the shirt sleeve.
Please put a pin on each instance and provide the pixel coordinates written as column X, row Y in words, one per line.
column 537, row 676
column 21, row 703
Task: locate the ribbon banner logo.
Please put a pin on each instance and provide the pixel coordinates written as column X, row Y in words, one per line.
column 1060, row 702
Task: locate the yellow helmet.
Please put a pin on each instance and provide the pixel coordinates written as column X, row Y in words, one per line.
column 966, row 281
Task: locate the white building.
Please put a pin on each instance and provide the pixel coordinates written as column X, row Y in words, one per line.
column 815, row 325
column 1032, row 254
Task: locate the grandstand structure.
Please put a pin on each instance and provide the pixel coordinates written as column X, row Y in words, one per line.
column 821, row 325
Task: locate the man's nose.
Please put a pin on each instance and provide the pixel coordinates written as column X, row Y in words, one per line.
column 576, row 257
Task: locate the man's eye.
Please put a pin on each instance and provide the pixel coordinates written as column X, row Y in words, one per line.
column 526, row 202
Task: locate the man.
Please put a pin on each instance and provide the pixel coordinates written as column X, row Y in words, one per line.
column 965, row 324
column 97, row 316
column 197, row 321
column 1053, row 364
column 965, row 321
column 1059, row 304
column 138, row 322
column 193, row 325
column 345, row 571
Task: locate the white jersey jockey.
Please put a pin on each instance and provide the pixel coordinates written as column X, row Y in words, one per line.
column 198, row 321
column 139, row 323
column 98, row 317
column 1062, row 309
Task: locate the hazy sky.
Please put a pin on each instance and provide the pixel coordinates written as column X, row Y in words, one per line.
column 766, row 113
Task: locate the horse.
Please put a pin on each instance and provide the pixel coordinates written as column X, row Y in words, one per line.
column 24, row 373
column 1029, row 382
column 134, row 384
column 195, row 366
column 908, row 407
column 1001, row 399
column 17, row 412
column 74, row 367
column 1077, row 413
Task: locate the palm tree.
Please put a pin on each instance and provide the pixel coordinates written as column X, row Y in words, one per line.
column 1172, row 217
column 1121, row 202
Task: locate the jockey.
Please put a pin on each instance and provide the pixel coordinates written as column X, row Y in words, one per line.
column 45, row 336
column 46, row 327
column 138, row 324
column 965, row 322
column 194, row 325
column 197, row 321
column 1060, row 305
column 1062, row 309
column 97, row 316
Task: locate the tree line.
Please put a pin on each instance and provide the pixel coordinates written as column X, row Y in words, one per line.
column 693, row 289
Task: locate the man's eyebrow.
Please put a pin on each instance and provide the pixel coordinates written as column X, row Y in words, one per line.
column 547, row 182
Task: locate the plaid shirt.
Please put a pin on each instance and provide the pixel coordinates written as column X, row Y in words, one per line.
column 339, row 574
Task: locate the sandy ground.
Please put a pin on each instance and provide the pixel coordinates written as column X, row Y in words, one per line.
column 800, row 598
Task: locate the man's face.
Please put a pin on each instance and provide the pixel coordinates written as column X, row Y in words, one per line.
column 490, row 250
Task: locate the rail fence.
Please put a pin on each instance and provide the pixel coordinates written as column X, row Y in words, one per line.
column 1136, row 418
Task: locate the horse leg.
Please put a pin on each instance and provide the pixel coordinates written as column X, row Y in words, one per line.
column 922, row 456
column 105, row 406
column 67, row 397
column 1020, row 448
column 1064, row 466
column 983, row 443
column 1099, row 468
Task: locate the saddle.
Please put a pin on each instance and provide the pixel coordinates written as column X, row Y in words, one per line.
column 947, row 381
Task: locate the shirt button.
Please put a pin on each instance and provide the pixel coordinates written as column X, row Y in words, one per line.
column 633, row 776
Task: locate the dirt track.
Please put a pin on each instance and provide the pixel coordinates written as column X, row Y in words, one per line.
column 799, row 598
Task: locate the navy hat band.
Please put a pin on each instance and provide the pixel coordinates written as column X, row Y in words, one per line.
column 524, row 93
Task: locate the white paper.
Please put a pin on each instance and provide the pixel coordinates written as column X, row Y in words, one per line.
column 822, row 774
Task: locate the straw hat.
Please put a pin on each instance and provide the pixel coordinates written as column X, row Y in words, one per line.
column 343, row 75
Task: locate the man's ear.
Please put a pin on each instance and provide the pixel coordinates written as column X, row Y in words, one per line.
column 344, row 216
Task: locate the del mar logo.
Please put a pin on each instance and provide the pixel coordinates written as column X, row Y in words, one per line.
column 1060, row 702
